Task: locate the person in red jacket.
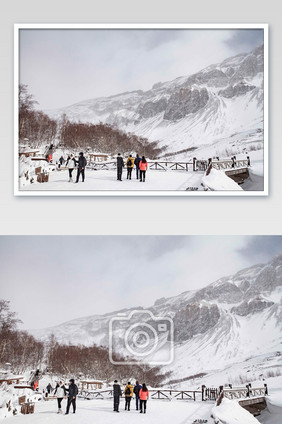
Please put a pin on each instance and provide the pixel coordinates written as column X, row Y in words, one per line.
column 143, row 395
column 143, row 166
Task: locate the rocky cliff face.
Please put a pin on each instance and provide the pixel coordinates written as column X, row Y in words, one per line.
column 236, row 90
column 216, row 102
column 184, row 102
column 195, row 319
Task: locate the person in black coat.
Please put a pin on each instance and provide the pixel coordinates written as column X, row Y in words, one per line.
column 136, row 163
column 72, row 393
column 117, row 395
column 81, row 167
column 136, row 391
column 120, row 165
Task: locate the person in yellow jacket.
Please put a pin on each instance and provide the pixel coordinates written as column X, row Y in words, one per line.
column 128, row 393
column 130, row 165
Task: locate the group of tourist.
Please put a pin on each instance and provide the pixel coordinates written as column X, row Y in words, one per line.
column 140, row 165
column 141, row 394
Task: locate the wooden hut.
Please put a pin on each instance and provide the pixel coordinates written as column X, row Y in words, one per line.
column 28, row 152
column 97, row 157
column 91, row 385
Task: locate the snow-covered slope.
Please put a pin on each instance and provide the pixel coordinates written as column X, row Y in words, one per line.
column 229, row 321
column 218, row 102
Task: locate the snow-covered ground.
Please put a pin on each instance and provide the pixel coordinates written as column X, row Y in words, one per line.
column 158, row 411
column 156, row 180
column 101, row 412
column 107, row 180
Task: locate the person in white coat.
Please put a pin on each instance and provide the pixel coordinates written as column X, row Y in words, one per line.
column 71, row 163
column 60, row 391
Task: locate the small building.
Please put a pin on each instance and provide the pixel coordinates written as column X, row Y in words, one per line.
column 97, row 157
column 91, row 385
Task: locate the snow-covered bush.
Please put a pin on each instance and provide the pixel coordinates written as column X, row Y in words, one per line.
column 8, row 401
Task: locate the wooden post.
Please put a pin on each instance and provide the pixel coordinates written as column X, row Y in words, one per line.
column 203, row 392
column 266, row 389
column 194, row 164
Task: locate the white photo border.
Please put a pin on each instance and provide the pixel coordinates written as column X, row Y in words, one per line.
column 147, row 193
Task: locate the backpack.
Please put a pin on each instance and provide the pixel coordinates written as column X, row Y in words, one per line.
column 129, row 163
column 127, row 391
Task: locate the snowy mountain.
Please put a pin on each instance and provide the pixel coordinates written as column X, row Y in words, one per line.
column 229, row 321
column 216, row 103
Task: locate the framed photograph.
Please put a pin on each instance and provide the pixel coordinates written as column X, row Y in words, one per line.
column 181, row 109
column 205, row 340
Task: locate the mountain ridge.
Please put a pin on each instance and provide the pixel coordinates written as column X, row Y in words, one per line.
column 221, row 323
column 219, row 101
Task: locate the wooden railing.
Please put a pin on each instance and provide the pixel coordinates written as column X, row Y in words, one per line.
column 156, row 165
column 245, row 392
column 174, row 394
column 230, row 164
column 165, row 394
column 206, row 394
column 165, row 165
column 195, row 165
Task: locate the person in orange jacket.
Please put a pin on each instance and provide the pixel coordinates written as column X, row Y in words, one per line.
column 143, row 166
column 143, row 395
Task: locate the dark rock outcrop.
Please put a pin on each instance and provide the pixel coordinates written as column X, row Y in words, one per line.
column 251, row 307
column 236, row 90
column 195, row 319
column 185, row 101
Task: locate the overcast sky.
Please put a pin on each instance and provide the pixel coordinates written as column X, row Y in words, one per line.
column 53, row 279
column 62, row 67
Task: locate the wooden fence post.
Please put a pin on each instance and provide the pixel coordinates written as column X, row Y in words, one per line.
column 203, row 392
